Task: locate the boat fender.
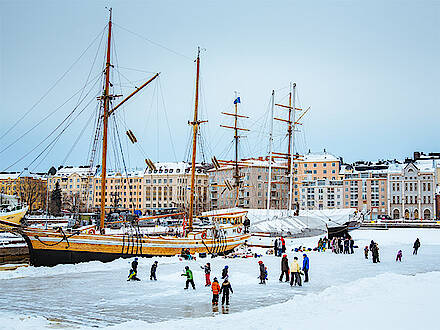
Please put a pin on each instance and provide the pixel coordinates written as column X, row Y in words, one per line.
column 204, row 235
column 239, row 230
column 92, row 231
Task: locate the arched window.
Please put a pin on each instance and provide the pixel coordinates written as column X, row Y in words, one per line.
column 416, row 214
column 396, row 214
column 406, row 214
column 427, row 214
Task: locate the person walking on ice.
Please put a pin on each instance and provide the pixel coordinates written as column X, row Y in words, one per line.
column 215, row 291
column 416, row 246
column 226, row 287
column 306, row 266
column 295, row 277
column 262, row 272
column 189, row 278
column 399, row 256
column 366, row 252
column 153, row 271
column 284, row 268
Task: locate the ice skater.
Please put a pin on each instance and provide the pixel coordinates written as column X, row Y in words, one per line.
column 134, row 265
column 189, row 278
column 399, row 256
column 215, row 291
column 226, row 287
column 225, row 272
column 132, row 276
column 416, row 246
column 284, row 268
column 153, row 271
column 366, row 252
column 207, row 269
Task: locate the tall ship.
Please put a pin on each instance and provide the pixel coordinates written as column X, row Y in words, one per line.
column 49, row 247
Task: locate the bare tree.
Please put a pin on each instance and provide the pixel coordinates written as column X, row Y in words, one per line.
column 31, row 191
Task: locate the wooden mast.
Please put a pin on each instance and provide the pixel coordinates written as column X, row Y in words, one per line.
column 106, row 100
column 291, row 138
column 195, row 125
column 269, row 183
column 236, row 174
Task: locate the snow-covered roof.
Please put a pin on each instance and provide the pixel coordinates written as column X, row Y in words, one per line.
column 80, row 170
column 318, row 157
column 5, row 176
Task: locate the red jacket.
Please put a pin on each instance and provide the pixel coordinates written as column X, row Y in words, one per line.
column 215, row 287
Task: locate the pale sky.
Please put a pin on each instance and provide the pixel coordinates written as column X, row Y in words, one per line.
column 368, row 69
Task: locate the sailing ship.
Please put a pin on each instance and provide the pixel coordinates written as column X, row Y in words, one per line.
column 49, row 247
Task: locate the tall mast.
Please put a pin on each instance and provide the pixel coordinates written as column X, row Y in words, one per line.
column 291, row 137
column 269, row 183
column 195, row 125
column 237, row 174
column 106, row 100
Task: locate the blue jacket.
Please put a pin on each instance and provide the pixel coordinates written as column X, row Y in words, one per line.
column 306, row 263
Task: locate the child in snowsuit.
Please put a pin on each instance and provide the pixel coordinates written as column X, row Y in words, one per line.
column 399, row 256
column 207, row 269
column 153, row 271
column 132, row 276
column 262, row 273
column 215, row 291
column 189, row 278
column 284, row 268
column 226, row 287
column 366, row 252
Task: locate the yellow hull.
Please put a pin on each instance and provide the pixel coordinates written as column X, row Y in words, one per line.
column 12, row 219
column 48, row 248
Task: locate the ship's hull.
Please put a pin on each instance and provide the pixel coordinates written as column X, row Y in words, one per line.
column 48, row 248
column 12, row 219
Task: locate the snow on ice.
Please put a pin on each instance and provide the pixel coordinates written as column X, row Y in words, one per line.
column 345, row 291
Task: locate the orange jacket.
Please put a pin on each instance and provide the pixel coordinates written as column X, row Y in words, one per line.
column 215, row 287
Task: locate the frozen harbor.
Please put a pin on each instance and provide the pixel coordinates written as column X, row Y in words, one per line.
column 97, row 295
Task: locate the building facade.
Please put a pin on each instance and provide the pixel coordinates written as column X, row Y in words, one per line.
column 30, row 188
column 167, row 188
column 76, row 184
column 254, row 174
column 321, row 194
column 412, row 190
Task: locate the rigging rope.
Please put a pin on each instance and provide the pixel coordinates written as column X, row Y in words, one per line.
column 52, row 87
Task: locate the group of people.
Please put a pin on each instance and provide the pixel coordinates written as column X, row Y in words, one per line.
column 279, row 246
column 322, row 244
column 374, row 248
column 132, row 274
column 342, row 245
column 216, row 289
column 295, row 270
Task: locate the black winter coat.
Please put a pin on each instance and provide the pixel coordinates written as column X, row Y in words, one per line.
column 262, row 269
column 284, row 264
column 226, row 287
column 224, row 272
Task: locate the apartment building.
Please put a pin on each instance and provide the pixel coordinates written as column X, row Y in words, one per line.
column 321, row 194
column 365, row 187
column 30, row 188
column 254, row 174
column 167, row 188
column 76, row 184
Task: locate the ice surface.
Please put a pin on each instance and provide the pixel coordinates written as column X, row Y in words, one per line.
column 342, row 287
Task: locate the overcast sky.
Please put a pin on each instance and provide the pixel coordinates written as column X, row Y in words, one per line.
column 368, row 69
